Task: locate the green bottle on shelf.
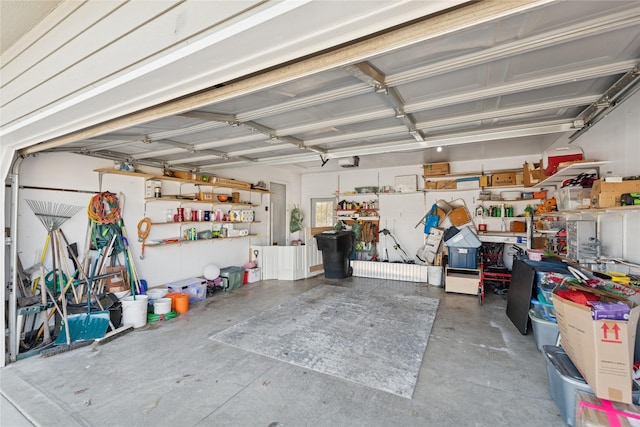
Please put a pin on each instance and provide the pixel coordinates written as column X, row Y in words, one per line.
column 528, row 211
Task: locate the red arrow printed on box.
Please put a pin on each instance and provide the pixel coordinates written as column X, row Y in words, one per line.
column 614, row 331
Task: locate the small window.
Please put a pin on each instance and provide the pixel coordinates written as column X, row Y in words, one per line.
column 322, row 211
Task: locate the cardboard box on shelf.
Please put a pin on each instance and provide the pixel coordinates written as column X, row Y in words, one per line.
column 186, row 175
column 430, row 185
column 505, row 178
column 540, row 243
column 484, row 181
column 518, row 226
column 230, row 183
column 602, row 350
column 436, row 169
column 532, row 174
column 205, row 196
column 607, row 194
column 447, row 184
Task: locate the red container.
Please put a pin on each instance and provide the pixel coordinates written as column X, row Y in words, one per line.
column 551, row 159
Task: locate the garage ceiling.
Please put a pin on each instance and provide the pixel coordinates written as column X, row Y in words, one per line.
column 510, row 85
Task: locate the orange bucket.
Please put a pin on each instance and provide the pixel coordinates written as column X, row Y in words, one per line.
column 173, row 296
column 182, row 303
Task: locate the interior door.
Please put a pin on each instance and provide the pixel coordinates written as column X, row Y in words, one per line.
column 278, row 213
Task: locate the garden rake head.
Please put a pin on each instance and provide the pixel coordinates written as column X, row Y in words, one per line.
column 52, row 215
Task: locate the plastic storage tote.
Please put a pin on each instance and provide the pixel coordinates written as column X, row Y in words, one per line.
column 545, row 332
column 196, row 288
column 463, row 257
column 465, row 238
column 232, row 277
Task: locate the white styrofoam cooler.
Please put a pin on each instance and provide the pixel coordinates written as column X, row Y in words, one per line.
column 254, row 275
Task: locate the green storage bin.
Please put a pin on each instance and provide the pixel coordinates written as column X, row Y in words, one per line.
column 232, row 277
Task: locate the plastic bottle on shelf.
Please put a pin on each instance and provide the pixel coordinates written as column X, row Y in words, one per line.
column 528, row 211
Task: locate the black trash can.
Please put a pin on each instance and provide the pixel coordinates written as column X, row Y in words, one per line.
column 335, row 247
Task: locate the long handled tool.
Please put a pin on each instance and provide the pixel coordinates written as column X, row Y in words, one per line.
column 87, row 326
column 396, row 246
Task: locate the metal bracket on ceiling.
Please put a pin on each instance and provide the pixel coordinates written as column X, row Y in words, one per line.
column 612, row 97
column 231, row 120
column 374, row 78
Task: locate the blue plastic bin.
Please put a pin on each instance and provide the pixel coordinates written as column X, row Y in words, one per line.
column 463, row 257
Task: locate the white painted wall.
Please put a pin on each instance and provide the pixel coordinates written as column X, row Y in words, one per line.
column 161, row 264
column 615, row 138
column 270, row 174
column 399, row 213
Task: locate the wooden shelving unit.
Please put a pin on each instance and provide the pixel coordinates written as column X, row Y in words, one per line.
column 187, row 200
column 180, row 180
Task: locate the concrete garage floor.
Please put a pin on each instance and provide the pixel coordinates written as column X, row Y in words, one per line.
column 478, row 370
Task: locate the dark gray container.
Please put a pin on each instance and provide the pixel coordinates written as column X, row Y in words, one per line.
column 545, row 332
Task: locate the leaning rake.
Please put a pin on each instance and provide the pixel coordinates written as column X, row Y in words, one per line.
column 52, row 215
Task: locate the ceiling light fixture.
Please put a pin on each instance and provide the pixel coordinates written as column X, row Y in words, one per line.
column 439, row 149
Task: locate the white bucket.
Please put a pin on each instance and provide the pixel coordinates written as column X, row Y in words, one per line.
column 434, row 275
column 162, row 306
column 134, row 312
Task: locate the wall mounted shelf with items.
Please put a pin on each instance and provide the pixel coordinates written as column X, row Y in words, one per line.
column 436, row 180
column 567, row 172
column 170, row 242
column 215, row 227
column 182, row 200
column 361, row 214
column 360, row 206
column 214, row 182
